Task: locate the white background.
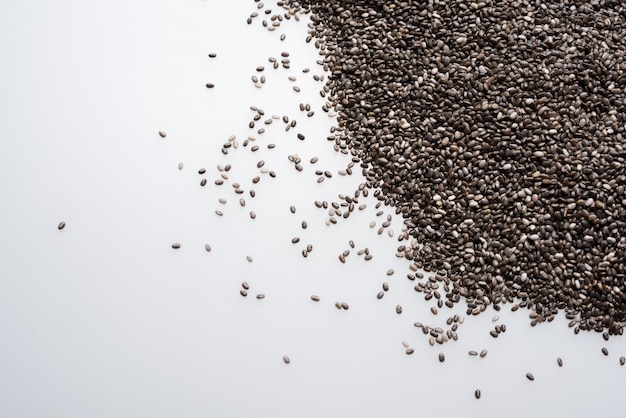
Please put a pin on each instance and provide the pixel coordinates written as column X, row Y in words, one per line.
column 105, row 319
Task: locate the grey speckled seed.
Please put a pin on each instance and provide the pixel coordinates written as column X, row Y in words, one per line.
column 207, row 247
column 286, row 359
column 260, row 296
column 345, row 306
column 398, row 309
column 380, row 295
column 483, row 353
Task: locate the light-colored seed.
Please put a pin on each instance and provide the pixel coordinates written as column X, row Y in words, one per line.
column 405, row 344
column 390, row 272
column 286, row 359
column 222, row 200
column 249, row 258
column 338, row 305
column 368, row 257
column 176, row 245
column 495, row 318
column 61, row 225
column 207, row 247
column 180, row 166
column 252, row 215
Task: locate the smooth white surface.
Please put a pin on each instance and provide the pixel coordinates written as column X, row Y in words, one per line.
column 105, row 319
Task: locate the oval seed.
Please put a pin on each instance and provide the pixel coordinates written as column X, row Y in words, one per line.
column 249, row 258
column 477, row 394
column 530, row 376
column 345, row 306
column 286, row 359
column 409, row 351
column 292, row 208
column 207, row 247
column 315, row 298
column 219, row 213
column 472, row 353
column 176, row 245
column 380, row 295
column 245, row 285
column 390, row 272
column 442, row 358
column 61, row 225
column 605, row 351
column 483, row 353
column 622, row 360
column 162, row 134
column 252, row 215
column 260, row 296
column 398, row 309
column 243, row 293
column 295, row 240
column 559, row 361
column 304, row 225
column 385, row 286
column 180, row 166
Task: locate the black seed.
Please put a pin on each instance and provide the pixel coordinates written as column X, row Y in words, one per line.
column 477, row 393
column 210, row 85
column 530, row 376
column 162, row 134
column 176, row 245
column 345, row 306
column 605, row 351
column 442, row 358
column 61, row 225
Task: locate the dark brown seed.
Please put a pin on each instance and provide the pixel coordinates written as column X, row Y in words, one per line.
column 295, row 240
column 472, row 353
column 61, row 225
column 245, row 285
column 380, row 295
column 385, row 286
column 209, row 85
column 292, row 209
column 605, row 351
column 442, row 358
column 286, row 359
column 203, row 182
column 304, row 225
column 315, row 298
column 207, row 247
column 493, row 334
column 530, row 376
column 559, row 361
column 409, row 351
column 176, row 245
column 162, row 134
column 477, row 393
column 219, row 213
column 260, row 68
column 345, row 306
column 622, row 360
column 243, row 293
column 398, row 309
column 483, row 353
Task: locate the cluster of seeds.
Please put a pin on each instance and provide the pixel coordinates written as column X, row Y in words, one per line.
column 490, row 132
column 496, row 129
